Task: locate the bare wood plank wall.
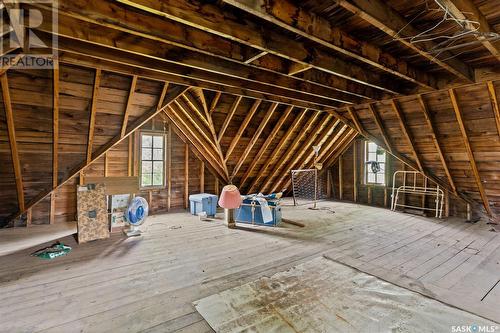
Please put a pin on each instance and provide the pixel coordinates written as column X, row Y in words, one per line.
column 355, row 189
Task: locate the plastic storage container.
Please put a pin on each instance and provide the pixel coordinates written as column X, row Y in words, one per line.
column 203, row 202
column 251, row 213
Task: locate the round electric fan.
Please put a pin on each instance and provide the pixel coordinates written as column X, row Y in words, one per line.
column 136, row 214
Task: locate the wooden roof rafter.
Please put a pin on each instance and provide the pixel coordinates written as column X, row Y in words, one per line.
column 128, row 105
column 191, row 134
column 297, row 121
column 243, row 126
column 381, row 128
column 255, row 137
column 293, row 156
column 433, row 133
column 11, row 131
column 494, row 104
column 302, row 162
column 470, row 153
column 407, row 133
column 93, row 104
column 229, row 116
column 265, row 145
column 193, row 123
column 55, row 124
column 343, row 145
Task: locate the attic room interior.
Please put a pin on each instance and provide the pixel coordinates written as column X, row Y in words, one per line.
column 250, row 166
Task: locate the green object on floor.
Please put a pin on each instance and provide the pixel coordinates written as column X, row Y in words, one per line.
column 54, row 251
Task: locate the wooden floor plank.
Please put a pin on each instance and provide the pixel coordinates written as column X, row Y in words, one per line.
column 149, row 283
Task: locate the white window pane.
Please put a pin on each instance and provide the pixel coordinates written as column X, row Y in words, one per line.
column 371, row 177
column 146, row 180
column 147, row 140
column 381, row 157
column 146, row 154
column 158, row 167
column 147, row 167
column 372, row 157
column 157, row 179
column 158, row 154
column 158, row 141
column 372, row 147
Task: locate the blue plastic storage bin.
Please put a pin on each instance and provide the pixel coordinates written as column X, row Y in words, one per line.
column 244, row 213
column 203, row 202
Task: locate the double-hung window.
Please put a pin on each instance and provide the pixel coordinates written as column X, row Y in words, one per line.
column 152, row 160
column 374, row 164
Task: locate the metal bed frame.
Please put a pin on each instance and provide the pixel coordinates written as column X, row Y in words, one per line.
column 418, row 190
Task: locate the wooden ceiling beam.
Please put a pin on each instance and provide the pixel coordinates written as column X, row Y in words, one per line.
column 213, row 19
column 379, row 14
column 93, row 105
column 293, row 18
column 467, row 10
column 189, row 60
column 381, row 128
column 407, row 133
column 253, row 140
column 125, row 56
column 494, row 104
column 11, row 130
column 470, row 153
column 297, row 121
column 142, row 24
column 276, row 128
column 243, row 126
column 433, row 131
column 94, row 61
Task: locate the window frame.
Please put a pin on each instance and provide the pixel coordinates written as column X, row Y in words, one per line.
column 164, row 160
column 367, row 170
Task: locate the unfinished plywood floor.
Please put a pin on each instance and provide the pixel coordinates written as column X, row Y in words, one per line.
column 149, row 283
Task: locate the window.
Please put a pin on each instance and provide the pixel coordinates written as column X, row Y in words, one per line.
column 374, row 164
column 152, row 160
